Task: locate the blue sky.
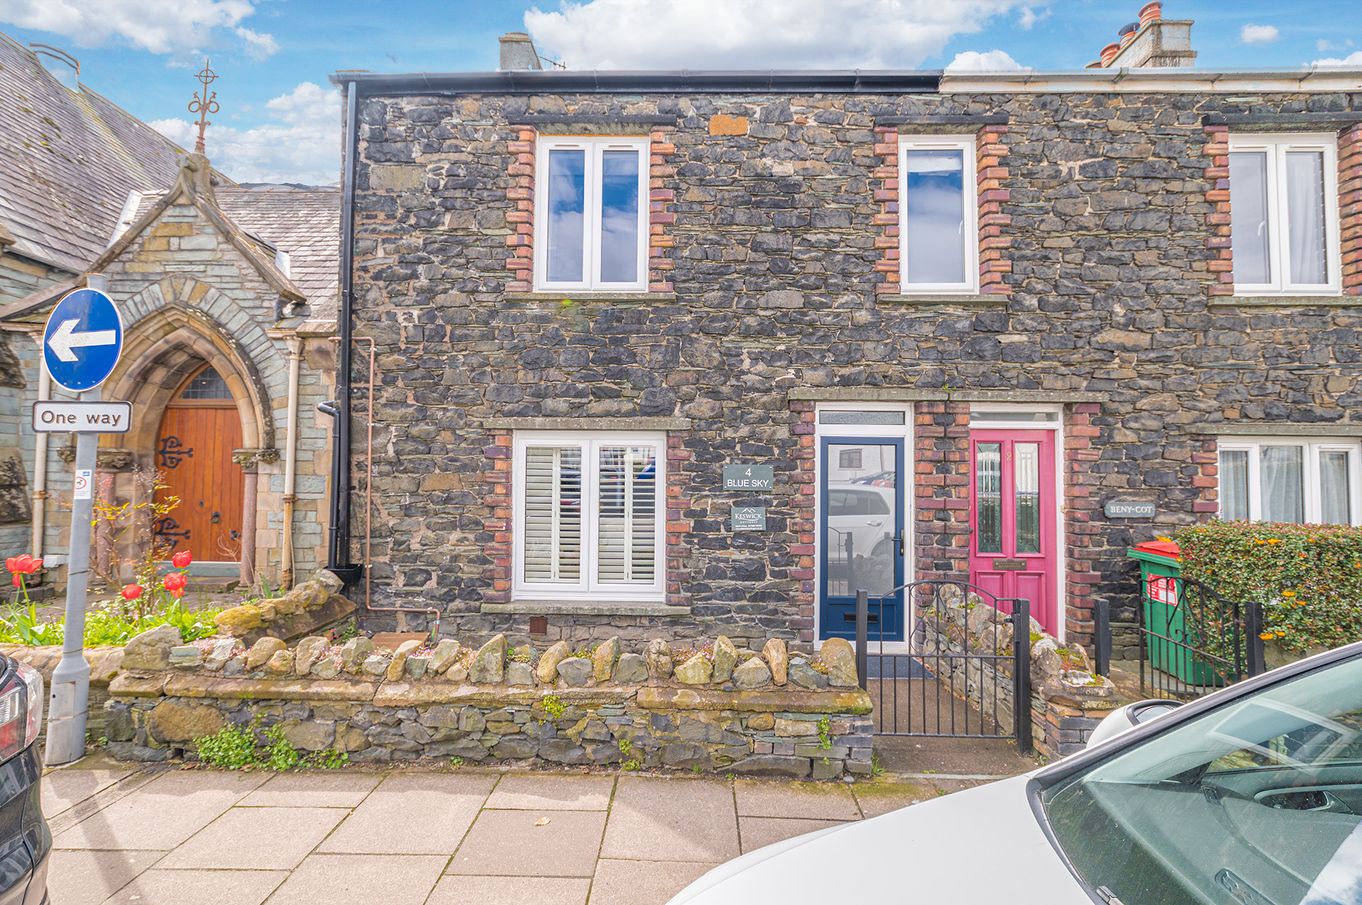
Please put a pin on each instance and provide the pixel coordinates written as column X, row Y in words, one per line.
column 279, row 116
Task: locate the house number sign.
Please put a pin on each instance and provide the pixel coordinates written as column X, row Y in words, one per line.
column 748, row 477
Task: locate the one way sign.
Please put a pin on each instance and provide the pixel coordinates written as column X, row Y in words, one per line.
column 83, row 339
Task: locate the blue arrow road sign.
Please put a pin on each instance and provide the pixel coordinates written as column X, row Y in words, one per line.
column 83, row 339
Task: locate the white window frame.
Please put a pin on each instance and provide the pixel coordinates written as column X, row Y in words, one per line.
column 966, row 144
column 1276, row 146
column 1313, row 489
column 587, row 588
column 594, row 148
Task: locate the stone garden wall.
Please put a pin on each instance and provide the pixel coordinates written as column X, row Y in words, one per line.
column 1068, row 699
column 718, row 707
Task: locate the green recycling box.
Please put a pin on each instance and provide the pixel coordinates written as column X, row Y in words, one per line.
column 1160, row 574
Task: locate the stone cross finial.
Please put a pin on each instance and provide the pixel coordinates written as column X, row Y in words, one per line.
column 204, row 103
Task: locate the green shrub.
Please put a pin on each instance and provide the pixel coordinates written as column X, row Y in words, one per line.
column 1308, row 577
column 234, row 748
column 104, row 625
column 231, row 748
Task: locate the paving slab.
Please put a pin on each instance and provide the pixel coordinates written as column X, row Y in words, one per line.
column 199, row 887
column 510, row 891
column 256, row 839
column 163, row 813
column 413, row 813
column 88, row 878
column 876, row 798
column 64, row 789
column 640, row 882
column 671, row 819
column 314, row 790
column 531, row 843
column 977, row 756
column 545, row 791
column 759, row 832
column 370, row 879
column 815, row 800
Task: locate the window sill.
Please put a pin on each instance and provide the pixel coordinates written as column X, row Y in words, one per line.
column 927, row 299
column 1287, row 301
column 576, row 295
column 584, row 608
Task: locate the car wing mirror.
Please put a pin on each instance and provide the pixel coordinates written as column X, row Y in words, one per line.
column 1128, row 717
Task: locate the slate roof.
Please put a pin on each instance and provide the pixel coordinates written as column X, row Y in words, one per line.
column 68, row 158
column 304, row 223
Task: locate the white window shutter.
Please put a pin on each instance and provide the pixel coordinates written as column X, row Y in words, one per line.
column 627, row 510
column 553, row 514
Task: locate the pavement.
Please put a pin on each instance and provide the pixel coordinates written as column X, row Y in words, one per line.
column 450, row 836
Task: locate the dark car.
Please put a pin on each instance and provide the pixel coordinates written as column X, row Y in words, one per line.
column 25, row 840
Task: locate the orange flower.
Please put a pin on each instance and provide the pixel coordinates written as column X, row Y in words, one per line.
column 1266, row 636
column 1274, row 540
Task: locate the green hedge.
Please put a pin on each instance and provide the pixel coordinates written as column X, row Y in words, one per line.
column 1308, row 577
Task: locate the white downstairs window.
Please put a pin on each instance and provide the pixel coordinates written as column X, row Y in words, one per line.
column 1284, row 214
column 589, row 516
column 938, row 214
column 1284, row 480
column 591, row 207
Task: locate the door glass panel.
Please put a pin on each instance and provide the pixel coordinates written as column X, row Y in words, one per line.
column 1305, row 217
column 1282, row 478
column 1234, row 484
column 1249, row 234
column 988, row 497
column 833, row 416
column 619, row 216
column 1027, row 494
column 567, row 211
column 861, row 518
column 935, row 217
column 1335, row 493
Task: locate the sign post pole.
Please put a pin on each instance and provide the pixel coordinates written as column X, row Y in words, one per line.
column 71, row 679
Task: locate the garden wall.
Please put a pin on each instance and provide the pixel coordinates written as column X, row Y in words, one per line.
column 1068, row 699
column 719, row 708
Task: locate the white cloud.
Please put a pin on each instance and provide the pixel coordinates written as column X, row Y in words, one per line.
column 1259, row 34
column 1027, row 17
column 989, row 61
column 1352, row 60
column 753, row 34
column 299, row 142
column 159, row 26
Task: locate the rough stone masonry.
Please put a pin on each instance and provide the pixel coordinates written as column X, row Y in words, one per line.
column 774, row 284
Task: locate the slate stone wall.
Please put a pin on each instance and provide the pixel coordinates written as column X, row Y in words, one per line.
column 1108, row 269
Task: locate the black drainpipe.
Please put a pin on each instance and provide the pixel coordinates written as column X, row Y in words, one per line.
column 338, row 547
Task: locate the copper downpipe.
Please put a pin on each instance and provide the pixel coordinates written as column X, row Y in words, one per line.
column 369, row 504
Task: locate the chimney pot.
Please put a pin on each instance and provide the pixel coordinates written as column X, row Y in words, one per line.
column 1151, row 12
column 1109, row 53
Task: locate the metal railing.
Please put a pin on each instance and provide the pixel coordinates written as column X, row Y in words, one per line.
column 1196, row 642
column 948, row 681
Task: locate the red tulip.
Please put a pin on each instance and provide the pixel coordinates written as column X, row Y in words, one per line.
column 175, row 581
column 181, row 560
column 23, row 564
column 12, row 564
column 132, row 591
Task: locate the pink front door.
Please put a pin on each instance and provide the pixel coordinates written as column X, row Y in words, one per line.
column 1013, row 549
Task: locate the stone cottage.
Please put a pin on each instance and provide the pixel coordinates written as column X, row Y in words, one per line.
column 228, row 299
column 690, row 353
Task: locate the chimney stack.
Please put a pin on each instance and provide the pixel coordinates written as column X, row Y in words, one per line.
column 1151, row 43
column 517, row 52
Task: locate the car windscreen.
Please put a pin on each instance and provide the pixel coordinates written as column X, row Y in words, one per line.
column 1258, row 802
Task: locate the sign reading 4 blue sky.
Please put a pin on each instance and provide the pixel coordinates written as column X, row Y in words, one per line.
column 83, row 339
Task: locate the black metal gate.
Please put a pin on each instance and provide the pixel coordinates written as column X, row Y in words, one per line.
column 958, row 673
column 1193, row 641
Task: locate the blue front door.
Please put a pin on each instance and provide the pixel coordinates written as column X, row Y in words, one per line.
column 861, row 531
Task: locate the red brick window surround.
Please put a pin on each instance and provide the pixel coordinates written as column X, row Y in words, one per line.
column 992, row 222
column 1349, row 201
column 661, row 211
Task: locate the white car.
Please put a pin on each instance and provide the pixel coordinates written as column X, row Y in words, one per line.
column 1249, row 796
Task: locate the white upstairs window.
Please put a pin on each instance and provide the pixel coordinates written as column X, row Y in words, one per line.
column 1285, row 480
column 589, row 516
column 1284, row 214
column 591, row 206
column 938, row 215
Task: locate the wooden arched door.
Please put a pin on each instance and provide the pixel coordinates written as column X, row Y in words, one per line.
column 199, row 431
